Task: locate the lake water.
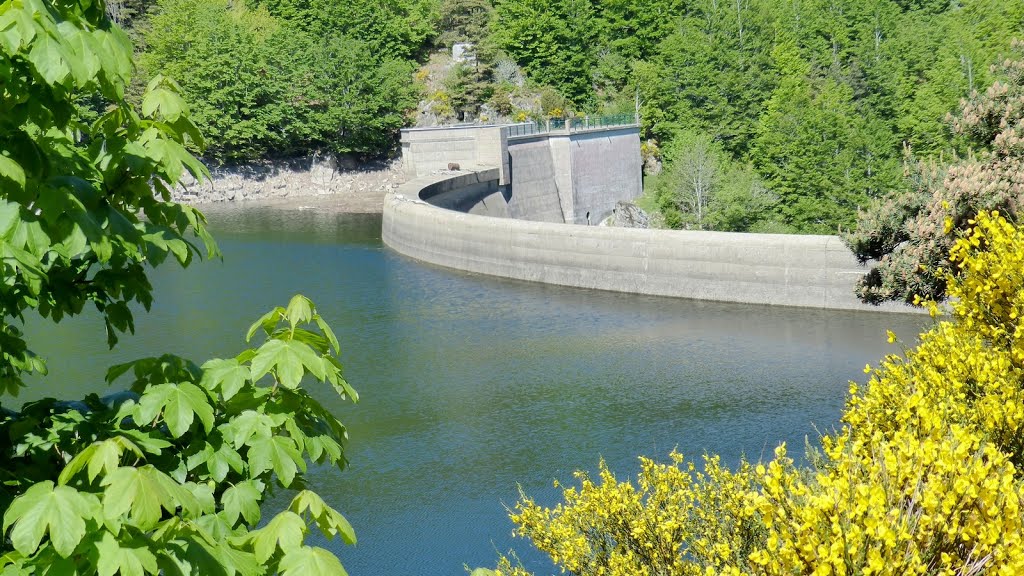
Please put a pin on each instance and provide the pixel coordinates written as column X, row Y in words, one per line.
column 472, row 384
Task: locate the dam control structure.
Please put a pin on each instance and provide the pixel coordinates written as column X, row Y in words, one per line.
column 565, row 171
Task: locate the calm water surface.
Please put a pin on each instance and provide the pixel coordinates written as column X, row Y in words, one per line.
column 472, row 384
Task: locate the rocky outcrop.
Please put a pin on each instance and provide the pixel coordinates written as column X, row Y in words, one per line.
column 295, row 178
column 628, row 215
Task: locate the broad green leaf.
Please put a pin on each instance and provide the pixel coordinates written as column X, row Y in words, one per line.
column 242, row 499
column 169, row 105
column 142, row 493
column 187, row 400
column 329, row 520
column 285, row 532
column 12, row 171
column 124, row 560
column 227, row 376
column 222, row 461
column 101, row 456
column 180, row 403
column 10, row 213
column 267, row 322
column 246, row 425
column 149, row 442
column 310, row 561
column 60, row 510
column 49, row 59
column 16, row 27
column 82, row 59
column 289, row 359
column 276, row 453
column 299, row 310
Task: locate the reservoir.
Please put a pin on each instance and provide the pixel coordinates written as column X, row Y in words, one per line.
column 471, row 385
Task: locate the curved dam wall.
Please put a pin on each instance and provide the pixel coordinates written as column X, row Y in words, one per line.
column 472, row 232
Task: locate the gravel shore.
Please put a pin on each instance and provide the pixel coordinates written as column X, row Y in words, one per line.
column 309, row 183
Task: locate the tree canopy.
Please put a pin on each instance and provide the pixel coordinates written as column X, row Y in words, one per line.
column 168, row 475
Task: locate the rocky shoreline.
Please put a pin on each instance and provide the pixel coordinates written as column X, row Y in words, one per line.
column 321, row 182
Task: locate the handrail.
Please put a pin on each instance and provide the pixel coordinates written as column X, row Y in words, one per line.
column 578, row 124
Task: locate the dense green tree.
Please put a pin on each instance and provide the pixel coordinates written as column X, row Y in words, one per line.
column 259, row 86
column 167, row 477
column 703, row 189
column 220, row 52
column 464, row 21
column 552, row 40
column 822, row 155
column 711, row 74
column 394, row 29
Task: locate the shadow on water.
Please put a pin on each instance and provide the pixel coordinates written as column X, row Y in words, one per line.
column 473, row 384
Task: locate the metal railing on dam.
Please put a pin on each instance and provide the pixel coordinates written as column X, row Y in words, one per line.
column 775, row 269
column 571, row 124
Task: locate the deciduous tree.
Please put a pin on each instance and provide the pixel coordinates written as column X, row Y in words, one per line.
column 168, row 476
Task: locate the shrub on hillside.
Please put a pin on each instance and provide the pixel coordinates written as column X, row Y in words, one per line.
column 910, row 233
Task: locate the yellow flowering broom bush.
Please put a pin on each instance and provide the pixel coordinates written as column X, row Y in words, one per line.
column 923, row 478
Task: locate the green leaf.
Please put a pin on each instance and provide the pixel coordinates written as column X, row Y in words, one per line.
column 267, row 322
column 328, row 333
column 169, row 105
column 329, row 520
column 123, row 560
column 289, row 359
column 247, row 425
column 10, row 214
column 179, row 404
column 49, row 60
column 222, row 461
column 102, row 456
column 310, row 561
column 299, row 311
column 60, row 510
column 16, row 27
column 242, row 499
column 276, row 453
column 285, row 532
column 12, row 171
column 142, row 493
column 228, row 376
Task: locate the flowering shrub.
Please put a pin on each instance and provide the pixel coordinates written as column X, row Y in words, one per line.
column 909, row 233
column 923, row 478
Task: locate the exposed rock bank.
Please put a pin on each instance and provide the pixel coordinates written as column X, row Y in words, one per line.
column 321, row 182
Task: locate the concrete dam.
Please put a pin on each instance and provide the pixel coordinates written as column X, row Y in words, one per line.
column 525, row 199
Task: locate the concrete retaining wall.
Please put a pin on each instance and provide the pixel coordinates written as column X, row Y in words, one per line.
column 606, row 168
column 535, row 193
column 791, row 270
column 425, row 150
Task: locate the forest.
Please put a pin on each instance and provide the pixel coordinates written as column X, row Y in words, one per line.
column 761, row 115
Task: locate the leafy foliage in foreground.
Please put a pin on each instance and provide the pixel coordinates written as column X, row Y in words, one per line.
column 168, row 476
column 925, row 477
column 78, row 215
column 911, row 233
